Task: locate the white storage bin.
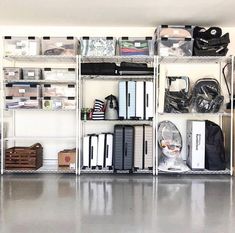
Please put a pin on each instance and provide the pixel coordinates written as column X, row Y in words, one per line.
column 174, row 31
column 23, row 90
column 58, row 90
column 12, row 73
column 135, row 46
column 65, row 46
column 59, row 74
column 21, row 46
column 32, row 73
column 174, row 47
column 53, row 103
column 98, row 46
column 22, row 102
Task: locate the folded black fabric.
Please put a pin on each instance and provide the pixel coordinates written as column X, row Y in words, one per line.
column 128, row 68
column 103, row 68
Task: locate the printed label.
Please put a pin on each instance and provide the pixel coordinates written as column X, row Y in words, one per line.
column 21, row 91
column 11, row 73
column 21, row 103
column 31, row 74
column 176, row 45
column 59, row 44
column 72, row 165
column 137, row 44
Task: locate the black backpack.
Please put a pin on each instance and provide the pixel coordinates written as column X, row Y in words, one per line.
column 214, row 151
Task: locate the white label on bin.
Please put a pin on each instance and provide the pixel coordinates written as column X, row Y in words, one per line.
column 137, row 44
column 60, row 74
column 164, row 52
column 19, row 43
column 21, row 103
column 72, row 165
column 32, row 48
column 21, row 90
column 59, row 44
column 31, row 74
column 176, row 45
column 11, row 73
column 58, row 103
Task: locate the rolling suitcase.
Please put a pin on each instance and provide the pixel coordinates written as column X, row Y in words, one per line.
column 109, row 150
column 143, row 151
column 140, row 100
column 148, row 147
column 148, row 100
column 100, row 156
column 131, row 86
column 127, row 98
column 122, row 100
column 93, row 150
column 86, row 151
column 123, row 147
column 138, row 147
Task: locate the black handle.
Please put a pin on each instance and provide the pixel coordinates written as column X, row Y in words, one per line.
column 147, row 99
column 129, row 100
column 125, row 149
column 92, row 152
column 146, row 147
column 107, row 151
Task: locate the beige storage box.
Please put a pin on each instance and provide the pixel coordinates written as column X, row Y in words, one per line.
column 67, row 158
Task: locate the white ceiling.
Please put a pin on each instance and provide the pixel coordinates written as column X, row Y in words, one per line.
column 141, row 13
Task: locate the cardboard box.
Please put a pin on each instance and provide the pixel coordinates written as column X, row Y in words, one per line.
column 67, row 158
column 196, row 144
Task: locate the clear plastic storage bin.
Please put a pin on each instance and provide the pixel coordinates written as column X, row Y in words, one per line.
column 134, row 46
column 21, row 46
column 58, row 90
column 59, row 74
column 32, row 73
column 98, row 46
column 174, row 31
column 23, row 90
column 58, row 103
column 174, row 47
column 22, row 102
column 65, row 46
column 12, row 73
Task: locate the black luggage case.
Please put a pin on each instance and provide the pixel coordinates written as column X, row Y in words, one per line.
column 123, row 147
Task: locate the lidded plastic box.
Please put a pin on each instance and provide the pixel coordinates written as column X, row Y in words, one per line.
column 57, row 74
column 12, row 73
column 21, row 46
column 65, row 46
column 135, row 46
column 32, row 73
column 174, row 47
column 98, row 46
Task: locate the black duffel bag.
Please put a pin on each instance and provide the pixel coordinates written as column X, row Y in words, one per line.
column 104, row 68
column 214, row 151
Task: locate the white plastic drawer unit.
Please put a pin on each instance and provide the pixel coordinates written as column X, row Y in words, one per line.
column 54, row 103
column 174, row 31
column 98, row 46
column 12, row 73
column 65, row 46
column 58, row 90
column 22, row 102
column 32, row 73
column 174, row 47
column 21, row 46
column 59, row 74
column 22, row 90
column 135, row 46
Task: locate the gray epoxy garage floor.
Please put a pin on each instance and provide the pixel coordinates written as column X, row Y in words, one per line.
column 122, row 204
